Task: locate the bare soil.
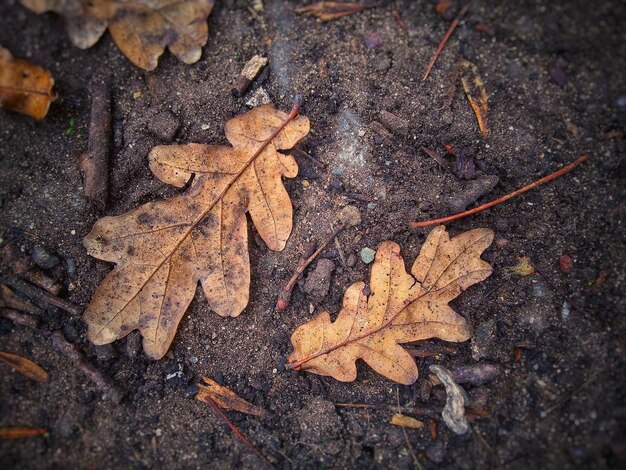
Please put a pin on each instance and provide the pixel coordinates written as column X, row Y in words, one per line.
column 554, row 72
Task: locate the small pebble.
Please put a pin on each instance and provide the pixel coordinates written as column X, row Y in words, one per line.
column 367, row 255
column 191, row 391
column 43, row 258
column 137, row 95
column 351, row 261
column 350, row 215
column 566, row 264
column 305, row 183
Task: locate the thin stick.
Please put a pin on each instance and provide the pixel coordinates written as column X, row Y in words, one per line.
column 443, row 42
column 545, row 179
column 236, row 431
column 39, row 296
column 406, row 436
column 285, row 295
column 428, row 412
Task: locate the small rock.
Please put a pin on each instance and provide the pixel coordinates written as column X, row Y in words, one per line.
column 473, row 190
column 43, row 258
column 317, row 283
column 70, row 333
column 164, row 126
column 305, row 184
column 373, row 40
column 482, row 339
column 350, row 215
column 258, row 98
column 351, row 261
column 191, row 391
column 394, row 123
column 335, row 183
column 367, row 255
column 565, row 263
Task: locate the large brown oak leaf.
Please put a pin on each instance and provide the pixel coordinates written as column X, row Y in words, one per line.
column 398, row 308
column 163, row 249
column 141, row 29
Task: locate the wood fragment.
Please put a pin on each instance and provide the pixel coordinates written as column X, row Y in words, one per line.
column 40, row 296
column 21, row 432
column 21, row 264
column 94, row 164
column 250, row 71
column 226, row 398
column 24, row 366
column 327, row 11
column 443, row 42
column 10, row 300
column 98, row 378
column 474, row 374
column 19, row 318
column 440, row 161
column 284, row 296
column 476, row 94
column 405, row 421
column 545, row 179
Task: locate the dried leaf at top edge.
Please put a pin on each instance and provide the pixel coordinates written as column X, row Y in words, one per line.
column 24, row 87
column 399, row 308
column 476, row 93
column 141, row 30
column 226, row 398
column 164, row 248
column 327, row 11
column 24, row 366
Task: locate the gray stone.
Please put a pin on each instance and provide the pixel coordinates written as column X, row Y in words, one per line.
column 317, row 283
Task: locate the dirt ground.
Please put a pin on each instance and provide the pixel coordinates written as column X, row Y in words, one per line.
column 554, row 72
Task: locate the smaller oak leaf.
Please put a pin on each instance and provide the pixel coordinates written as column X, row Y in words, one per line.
column 24, row 87
column 400, row 308
column 141, row 29
column 163, row 249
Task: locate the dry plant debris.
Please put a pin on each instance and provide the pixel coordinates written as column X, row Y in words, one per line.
column 163, row 248
column 141, row 29
column 24, row 87
column 24, row 366
column 453, row 413
column 400, row 308
column 476, row 93
column 225, row 398
column 20, row 433
column 327, row 11
column 405, row 421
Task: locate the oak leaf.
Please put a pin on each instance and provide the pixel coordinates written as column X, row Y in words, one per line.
column 141, row 29
column 399, row 308
column 163, row 249
column 227, row 399
column 24, row 87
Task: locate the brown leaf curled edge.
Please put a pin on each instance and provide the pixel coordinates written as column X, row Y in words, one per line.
column 227, row 399
column 163, row 249
column 24, row 87
column 141, row 29
column 401, row 308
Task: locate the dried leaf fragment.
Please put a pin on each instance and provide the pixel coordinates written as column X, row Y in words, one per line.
column 164, row 248
column 141, row 29
column 524, row 267
column 454, row 412
column 226, row 398
column 406, row 421
column 24, row 366
column 20, row 433
column 397, row 308
column 476, row 93
column 24, row 87
column 327, row 11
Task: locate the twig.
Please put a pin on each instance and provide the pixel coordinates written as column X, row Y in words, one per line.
column 545, row 179
column 19, row 318
column 38, row 295
column 406, row 436
column 443, row 42
column 94, row 164
column 236, row 431
column 11, row 300
column 428, row 412
column 568, row 395
column 398, row 19
column 440, row 161
column 101, row 381
column 285, row 294
column 25, row 268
